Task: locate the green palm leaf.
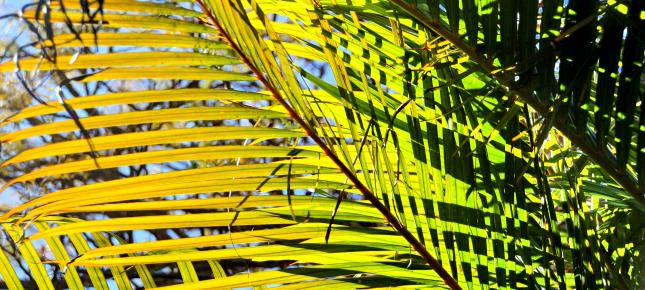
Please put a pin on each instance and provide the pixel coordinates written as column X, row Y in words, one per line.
column 449, row 144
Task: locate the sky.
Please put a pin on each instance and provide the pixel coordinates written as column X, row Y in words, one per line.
column 8, row 197
column 9, row 6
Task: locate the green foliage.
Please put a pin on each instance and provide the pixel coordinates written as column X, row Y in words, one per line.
column 456, row 144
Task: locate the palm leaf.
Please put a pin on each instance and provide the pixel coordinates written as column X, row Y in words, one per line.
column 425, row 158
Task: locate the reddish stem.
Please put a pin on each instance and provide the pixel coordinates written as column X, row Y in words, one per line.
column 367, row 193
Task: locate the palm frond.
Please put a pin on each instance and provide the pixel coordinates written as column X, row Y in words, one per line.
column 440, row 150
